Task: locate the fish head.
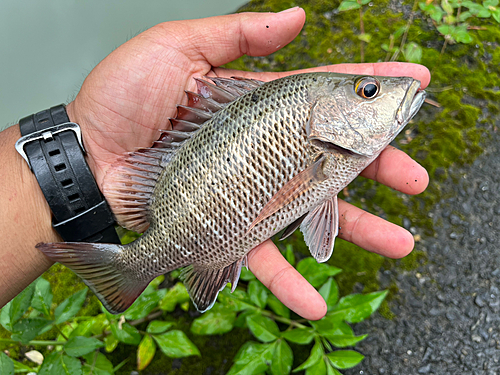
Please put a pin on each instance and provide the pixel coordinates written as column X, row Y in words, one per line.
column 362, row 114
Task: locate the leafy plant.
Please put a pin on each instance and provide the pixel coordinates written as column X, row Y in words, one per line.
column 451, row 18
column 364, row 37
column 81, row 344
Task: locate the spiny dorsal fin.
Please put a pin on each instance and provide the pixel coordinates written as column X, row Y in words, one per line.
column 129, row 184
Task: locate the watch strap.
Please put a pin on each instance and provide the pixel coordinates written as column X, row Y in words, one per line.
column 52, row 147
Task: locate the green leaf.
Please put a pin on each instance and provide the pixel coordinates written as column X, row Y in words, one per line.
column 399, row 32
column 355, row 308
column 282, row 358
column 341, row 341
column 42, row 297
column 364, row 2
column 344, row 359
column 263, row 328
column 316, row 273
column 145, row 303
column 214, row 322
column 257, row 293
column 365, row 37
column 80, row 345
column 328, row 324
column 60, row 364
column 446, row 6
column 246, row 274
column 19, row 368
column 178, row 294
column 70, row 306
column 20, row 303
column 6, row 365
column 98, row 364
column 319, row 368
column 84, row 328
column 145, row 352
column 236, row 301
column 490, row 3
column 496, row 14
column 98, row 324
column 317, row 353
column 26, row 330
column 464, row 16
column 110, row 343
column 299, row 335
column 435, row 12
column 175, row 344
column 348, row 5
column 5, row 317
column 277, row 306
column 290, row 255
column 330, row 293
column 158, row 326
column 460, row 34
column 126, row 333
column 413, row 53
column 252, row 359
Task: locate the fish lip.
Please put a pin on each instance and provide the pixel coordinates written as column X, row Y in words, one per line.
column 411, row 103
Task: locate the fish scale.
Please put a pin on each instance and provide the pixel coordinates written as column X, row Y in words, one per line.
column 246, row 160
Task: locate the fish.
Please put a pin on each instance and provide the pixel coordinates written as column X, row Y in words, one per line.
column 243, row 160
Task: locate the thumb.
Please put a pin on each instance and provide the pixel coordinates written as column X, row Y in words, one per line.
column 222, row 39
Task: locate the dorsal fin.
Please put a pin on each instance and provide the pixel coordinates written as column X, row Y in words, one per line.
column 129, row 184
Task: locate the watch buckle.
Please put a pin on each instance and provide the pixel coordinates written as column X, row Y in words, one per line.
column 48, row 135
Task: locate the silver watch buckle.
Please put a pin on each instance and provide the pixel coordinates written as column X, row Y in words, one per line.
column 48, row 135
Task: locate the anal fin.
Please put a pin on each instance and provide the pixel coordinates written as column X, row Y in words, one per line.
column 204, row 284
column 320, row 228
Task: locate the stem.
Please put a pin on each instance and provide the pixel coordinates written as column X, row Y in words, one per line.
column 407, row 29
column 153, row 315
column 282, row 319
column 34, row 342
column 391, row 46
column 362, row 29
column 60, row 332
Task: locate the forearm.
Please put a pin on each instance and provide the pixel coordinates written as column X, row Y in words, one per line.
column 25, row 220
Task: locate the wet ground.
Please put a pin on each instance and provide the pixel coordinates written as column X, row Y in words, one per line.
column 447, row 312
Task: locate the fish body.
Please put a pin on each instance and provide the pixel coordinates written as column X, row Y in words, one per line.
column 243, row 161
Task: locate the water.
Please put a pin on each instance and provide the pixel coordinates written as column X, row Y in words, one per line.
column 47, row 48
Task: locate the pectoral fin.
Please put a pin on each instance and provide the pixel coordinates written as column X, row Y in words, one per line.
column 320, row 228
column 293, row 189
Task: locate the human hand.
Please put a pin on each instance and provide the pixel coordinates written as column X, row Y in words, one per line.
column 131, row 94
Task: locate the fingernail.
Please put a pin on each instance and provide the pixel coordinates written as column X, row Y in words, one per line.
column 289, row 10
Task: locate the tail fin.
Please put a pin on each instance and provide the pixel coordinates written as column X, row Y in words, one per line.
column 97, row 264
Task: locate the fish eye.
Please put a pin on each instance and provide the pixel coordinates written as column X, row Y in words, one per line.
column 367, row 87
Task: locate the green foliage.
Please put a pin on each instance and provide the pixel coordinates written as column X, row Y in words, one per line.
column 78, row 343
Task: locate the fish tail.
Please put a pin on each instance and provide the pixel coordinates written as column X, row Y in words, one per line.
column 100, row 268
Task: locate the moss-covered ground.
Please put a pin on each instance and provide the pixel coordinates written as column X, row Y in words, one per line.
column 465, row 82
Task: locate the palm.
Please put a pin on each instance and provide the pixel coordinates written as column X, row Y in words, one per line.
column 132, row 96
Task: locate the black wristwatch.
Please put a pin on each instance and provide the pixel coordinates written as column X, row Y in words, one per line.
column 52, row 146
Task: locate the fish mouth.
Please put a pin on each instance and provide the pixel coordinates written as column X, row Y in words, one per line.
column 410, row 105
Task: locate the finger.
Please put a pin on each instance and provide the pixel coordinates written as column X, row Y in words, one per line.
column 222, row 39
column 269, row 266
column 391, row 69
column 398, row 171
column 373, row 233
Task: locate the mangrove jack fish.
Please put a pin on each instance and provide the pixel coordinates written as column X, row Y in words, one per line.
column 242, row 161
